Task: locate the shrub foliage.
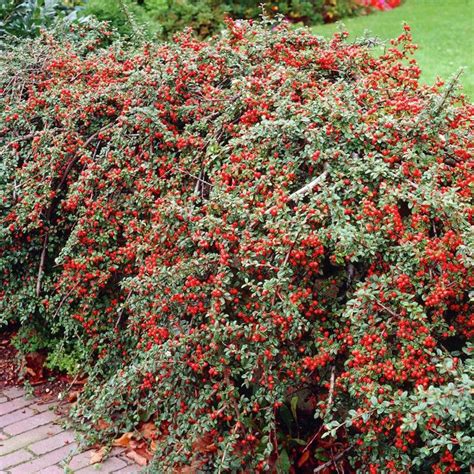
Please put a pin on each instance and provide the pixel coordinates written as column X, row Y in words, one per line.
column 262, row 243
column 25, row 18
column 166, row 17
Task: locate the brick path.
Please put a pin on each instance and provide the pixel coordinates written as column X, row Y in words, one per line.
column 32, row 440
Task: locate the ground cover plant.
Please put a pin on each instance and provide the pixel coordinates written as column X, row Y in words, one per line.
column 260, row 245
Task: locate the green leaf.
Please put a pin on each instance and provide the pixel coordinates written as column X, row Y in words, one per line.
column 284, row 463
column 320, row 455
column 294, row 405
column 301, row 442
column 286, row 416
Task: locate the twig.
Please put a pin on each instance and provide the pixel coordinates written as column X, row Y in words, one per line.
column 285, row 261
column 448, row 91
column 225, row 449
column 308, row 187
column 123, row 307
column 287, row 257
column 41, row 265
column 330, row 400
column 199, row 180
column 332, row 461
column 69, row 388
column 76, row 157
column 50, row 211
column 64, row 300
column 444, row 98
column 131, row 21
column 23, row 138
column 311, row 441
column 395, row 315
column 331, row 388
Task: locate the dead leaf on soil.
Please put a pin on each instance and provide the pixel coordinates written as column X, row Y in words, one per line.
column 144, row 452
column 138, row 458
column 34, row 366
column 98, row 456
column 193, row 468
column 148, row 430
column 124, row 440
column 72, row 397
column 80, row 382
column 102, row 425
column 204, row 444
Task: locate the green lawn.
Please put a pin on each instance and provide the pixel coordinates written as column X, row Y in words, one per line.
column 443, row 30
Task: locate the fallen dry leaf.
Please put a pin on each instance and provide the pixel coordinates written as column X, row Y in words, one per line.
column 72, row 397
column 144, row 452
column 102, row 425
column 80, row 382
column 191, row 469
column 138, row 458
column 302, row 460
column 98, row 456
column 124, row 440
column 148, row 430
column 30, row 372
column 204, row 444
column 34, row 366
column 134, row 444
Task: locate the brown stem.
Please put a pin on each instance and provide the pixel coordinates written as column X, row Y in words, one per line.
column 42, row 262
column 332, row 461
column 307, row 188
column 448, row 91
column 74, row 159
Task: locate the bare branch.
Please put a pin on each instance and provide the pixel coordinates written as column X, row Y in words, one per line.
column 332, row 461
column 41, row 265
column 448, row 91
column 308, row 187
column 331, row 388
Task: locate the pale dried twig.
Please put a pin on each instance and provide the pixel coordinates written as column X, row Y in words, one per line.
column 308, row 187
column 332, row 461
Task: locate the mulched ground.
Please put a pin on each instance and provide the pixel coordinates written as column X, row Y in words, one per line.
column 14, row 371
column 8, row 361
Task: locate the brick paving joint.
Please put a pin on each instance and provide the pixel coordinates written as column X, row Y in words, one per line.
column 32, row 440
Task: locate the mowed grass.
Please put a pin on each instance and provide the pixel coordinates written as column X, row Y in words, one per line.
column 442, row 29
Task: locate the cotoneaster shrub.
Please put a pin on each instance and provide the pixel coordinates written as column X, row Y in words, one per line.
column 262, row 243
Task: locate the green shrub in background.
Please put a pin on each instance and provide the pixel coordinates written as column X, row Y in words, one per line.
column 24, row 18
column 163, row 18
column 112, row 11
column 206, row 17
column 306, row 11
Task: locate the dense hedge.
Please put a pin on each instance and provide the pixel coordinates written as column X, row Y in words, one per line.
column 207, row 17
column 163, row 18
column 262, row 243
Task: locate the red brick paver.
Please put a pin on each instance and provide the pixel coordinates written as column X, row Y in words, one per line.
column 32, row 440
